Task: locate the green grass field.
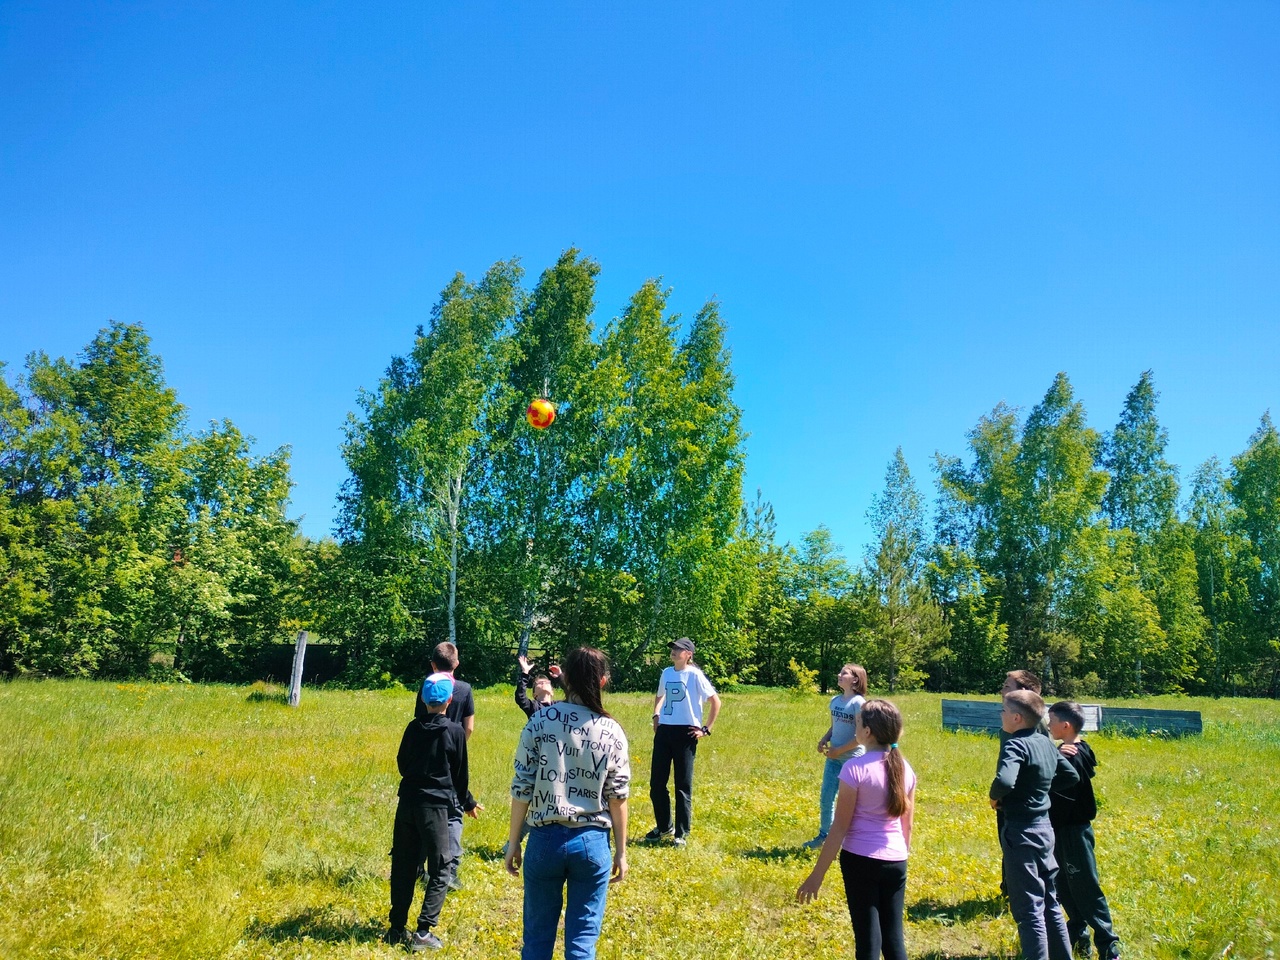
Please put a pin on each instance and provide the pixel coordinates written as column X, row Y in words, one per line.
column 201, row 822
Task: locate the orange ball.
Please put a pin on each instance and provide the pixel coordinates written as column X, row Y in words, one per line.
column 541, row 414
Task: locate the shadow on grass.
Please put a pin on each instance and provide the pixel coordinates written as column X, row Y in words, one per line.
column 321, row 924
column 486, row 851
column 942, row 955
column 774, row 853
column 975, row 908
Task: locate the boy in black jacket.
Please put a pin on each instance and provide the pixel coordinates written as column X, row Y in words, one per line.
column 1072, row 816
column 1029, row 767
column 433, row 784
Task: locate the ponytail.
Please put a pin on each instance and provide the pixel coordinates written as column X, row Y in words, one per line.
column 884, row 722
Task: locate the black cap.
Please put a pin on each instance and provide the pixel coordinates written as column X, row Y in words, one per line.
column 684, row 643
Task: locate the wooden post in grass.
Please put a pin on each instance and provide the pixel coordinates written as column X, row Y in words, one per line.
column 295, row 679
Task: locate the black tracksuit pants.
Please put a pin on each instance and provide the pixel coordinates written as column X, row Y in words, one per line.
column 420, row 835
column 673, row 746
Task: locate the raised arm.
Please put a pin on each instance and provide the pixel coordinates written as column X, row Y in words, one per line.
column 846, row 803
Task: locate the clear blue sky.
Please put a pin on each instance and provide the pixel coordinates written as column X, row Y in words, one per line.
column 909, row 211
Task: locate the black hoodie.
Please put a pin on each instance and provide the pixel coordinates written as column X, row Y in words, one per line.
column 433, row 763
column 1076, row 805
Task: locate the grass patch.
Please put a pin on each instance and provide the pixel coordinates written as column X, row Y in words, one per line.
column 191, row 821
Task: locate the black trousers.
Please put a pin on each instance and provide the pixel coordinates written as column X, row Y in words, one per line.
column 673, row 746
column 420, row 835
column 875, row 890
column 1079, row 891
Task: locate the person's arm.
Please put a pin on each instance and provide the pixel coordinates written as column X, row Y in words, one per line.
column 713, row 711
column 1007, row 768
column 519, row 809
column 468, row 725
column 908, row 817
column 522, row 690
column 402, row 755
column 618, row 813
column 460, row 773
column 826, row 738
column 846, row 803
column 1065, row 775
column 657, row 707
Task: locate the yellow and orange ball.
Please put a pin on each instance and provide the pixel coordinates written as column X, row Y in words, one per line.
column 541, row 414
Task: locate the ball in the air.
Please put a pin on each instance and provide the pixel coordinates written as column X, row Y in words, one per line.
column 540, row 414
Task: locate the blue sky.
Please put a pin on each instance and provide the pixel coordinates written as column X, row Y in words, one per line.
column 909, row 212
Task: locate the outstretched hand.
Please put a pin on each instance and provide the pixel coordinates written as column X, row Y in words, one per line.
column 474, row 812
column 525, row 665
column 808, row 891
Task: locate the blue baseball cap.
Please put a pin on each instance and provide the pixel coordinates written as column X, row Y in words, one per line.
column 437, row 688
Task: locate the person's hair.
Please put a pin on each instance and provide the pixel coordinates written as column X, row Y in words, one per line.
column 1068, row 711
column 1025, row 703
column 859, row 678
column 445, row 656
column 582, row 674
column 884, row 721
column 1026, row 680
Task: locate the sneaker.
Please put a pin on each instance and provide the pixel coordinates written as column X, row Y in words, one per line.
column 679, row 841
column 424, row 940
column 657, row 833
column 815, row 843
column 396, row 936
column 454, row 883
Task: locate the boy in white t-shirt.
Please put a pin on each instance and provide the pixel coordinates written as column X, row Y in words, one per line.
column 678, row 725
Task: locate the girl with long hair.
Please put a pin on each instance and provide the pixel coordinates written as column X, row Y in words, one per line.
column 839, row 743
column 572, row 778
column 872, row 834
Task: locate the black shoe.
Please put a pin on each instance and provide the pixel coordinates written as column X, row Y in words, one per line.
column 657, row 833
column 396, row 936
column 1082, row 948
column 424, row 940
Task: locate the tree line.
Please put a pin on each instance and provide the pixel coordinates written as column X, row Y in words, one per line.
column 131, row 545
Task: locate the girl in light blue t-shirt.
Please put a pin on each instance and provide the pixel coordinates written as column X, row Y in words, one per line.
column 839, row 743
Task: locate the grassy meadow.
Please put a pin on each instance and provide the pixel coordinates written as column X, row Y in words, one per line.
column 208, row 821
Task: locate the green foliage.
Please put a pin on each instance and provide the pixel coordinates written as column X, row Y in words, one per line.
column 128, row 546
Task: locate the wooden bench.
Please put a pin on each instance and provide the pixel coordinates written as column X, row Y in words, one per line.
column 1170, row 723
column 983, row 716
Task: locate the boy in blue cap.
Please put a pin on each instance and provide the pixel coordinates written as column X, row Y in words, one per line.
column 433, row 784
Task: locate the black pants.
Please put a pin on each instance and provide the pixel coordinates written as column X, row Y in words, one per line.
column 1079, row 891
column 875, row 890
column 421, row 834
column 673, row 745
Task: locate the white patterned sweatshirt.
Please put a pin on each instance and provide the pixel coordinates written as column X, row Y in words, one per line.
column 569, row 764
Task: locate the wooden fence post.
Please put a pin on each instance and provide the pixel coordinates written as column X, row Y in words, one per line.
column 295, row 679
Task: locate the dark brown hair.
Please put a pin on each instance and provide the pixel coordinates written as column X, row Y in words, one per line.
column 1068, row 711
column 1027, row 704
column 884, row 722
column 583, row 672
column 1026, row 680
column 859, row 678
column 445, row 657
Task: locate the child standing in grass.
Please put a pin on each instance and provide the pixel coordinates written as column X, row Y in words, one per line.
column 871, row 832
column 839, row 743
column 433, row 784
column 1071, row 813
column 1028, row 768
column 572, row 777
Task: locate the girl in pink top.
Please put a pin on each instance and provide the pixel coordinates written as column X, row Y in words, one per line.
column 872, row 835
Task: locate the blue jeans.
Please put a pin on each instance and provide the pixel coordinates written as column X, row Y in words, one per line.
column 554, row 857
column 830, row 787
